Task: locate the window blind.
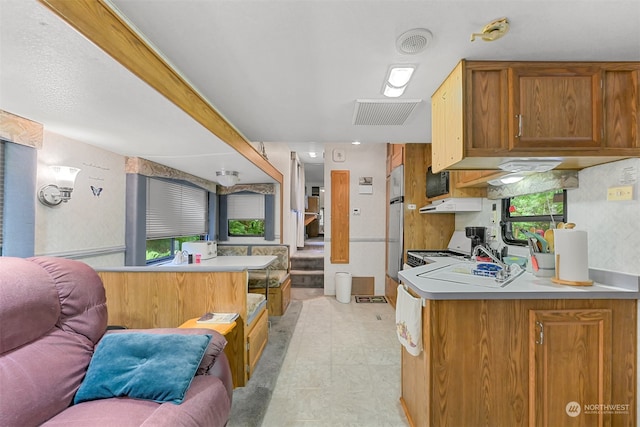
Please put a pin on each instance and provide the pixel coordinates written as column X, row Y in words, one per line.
column 175, row 209
column 245, row 206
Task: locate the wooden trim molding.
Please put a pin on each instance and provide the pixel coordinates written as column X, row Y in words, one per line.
column 19, row 130
column 156, row 170
column 106, row 29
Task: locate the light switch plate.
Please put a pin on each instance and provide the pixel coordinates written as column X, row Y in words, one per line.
column 620, row 193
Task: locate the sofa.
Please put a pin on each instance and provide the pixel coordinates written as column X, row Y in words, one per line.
column 60, row 366
column 278, row 272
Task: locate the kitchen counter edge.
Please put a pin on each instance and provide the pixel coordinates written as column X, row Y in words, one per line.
column 607, row 285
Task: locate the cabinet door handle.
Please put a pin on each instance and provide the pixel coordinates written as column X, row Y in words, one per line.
column 519, row 116
column 540, row 339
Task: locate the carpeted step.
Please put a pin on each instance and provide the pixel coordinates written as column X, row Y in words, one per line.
column 307, row 278
column 307, row 262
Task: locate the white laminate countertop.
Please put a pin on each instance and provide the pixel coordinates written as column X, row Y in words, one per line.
column 606, row 285
column 219, row 263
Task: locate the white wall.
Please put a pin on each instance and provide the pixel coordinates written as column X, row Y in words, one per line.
column 279, row 155
column 88, row 227
column 367, row 230
column 613, row 227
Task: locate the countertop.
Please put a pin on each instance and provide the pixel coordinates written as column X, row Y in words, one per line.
column 606, row 285
column 219, row 263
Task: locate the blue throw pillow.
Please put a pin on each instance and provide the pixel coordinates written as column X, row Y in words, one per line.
column 143, row 366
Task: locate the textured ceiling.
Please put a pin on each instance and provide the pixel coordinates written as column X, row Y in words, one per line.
column 279, row 71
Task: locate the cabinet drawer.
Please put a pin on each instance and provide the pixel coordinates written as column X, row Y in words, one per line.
column 257, row 340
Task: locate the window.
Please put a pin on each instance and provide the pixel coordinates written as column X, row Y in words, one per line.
column 246, row 215
column 176, row 213
column 532, row 212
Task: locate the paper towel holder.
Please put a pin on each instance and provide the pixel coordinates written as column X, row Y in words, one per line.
column 560, row 281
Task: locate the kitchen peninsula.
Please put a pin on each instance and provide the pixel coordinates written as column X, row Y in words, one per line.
column 528, row 353
column 167, row 295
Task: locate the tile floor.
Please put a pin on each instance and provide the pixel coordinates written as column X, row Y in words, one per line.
column 342, row 367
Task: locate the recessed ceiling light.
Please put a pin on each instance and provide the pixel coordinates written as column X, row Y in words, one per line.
column 313, row 154
column 355, row 143
column 397, row 79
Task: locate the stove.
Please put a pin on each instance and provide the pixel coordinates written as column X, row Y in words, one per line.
column 459, row 248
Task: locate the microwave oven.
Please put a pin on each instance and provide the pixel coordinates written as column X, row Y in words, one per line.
column 437, row 183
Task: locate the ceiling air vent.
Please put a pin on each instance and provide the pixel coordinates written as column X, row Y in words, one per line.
column 384, row 112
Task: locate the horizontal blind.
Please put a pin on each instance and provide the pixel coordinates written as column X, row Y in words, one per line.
column 175, row 209
column 1, row 192
column 245, row 206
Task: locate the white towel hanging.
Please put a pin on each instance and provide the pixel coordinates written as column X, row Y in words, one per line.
column 409, row 321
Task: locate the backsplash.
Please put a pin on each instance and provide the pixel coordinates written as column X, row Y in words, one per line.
column 613, row 226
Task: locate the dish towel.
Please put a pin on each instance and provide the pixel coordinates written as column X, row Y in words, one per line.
column 409, row 321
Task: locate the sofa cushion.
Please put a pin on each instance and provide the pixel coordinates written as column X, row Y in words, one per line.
column 216, row 345
column 144, row 366
column 227, row 250
column 257, row 278
column 30, row 303
column 280, row 251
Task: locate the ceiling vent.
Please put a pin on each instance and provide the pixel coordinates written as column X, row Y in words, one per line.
column 383, row 112
column 414, row 41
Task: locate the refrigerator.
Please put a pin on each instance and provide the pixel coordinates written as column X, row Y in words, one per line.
column 396, row 214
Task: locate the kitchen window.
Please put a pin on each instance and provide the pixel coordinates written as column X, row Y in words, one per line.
column 536, row 213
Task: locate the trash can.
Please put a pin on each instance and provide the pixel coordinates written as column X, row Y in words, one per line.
column 343, row 287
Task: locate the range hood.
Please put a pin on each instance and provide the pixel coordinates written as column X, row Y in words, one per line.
column 461, row 204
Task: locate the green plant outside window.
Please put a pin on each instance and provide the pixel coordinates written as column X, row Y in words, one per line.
column 246, row 227
column 535, row 213
column 161, row 249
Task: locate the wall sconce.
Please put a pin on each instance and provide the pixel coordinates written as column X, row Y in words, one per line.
column 227, row 178
column 52, row 194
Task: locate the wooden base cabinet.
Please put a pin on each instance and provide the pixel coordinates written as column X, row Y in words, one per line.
column 513, row 363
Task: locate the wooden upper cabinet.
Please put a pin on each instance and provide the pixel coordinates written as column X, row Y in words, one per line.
column 555, row 107
column 621, row 107
column 395, row 156
column 447, row 131
column 582, row 113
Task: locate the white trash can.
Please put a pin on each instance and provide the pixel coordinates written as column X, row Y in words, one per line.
column 343, row 287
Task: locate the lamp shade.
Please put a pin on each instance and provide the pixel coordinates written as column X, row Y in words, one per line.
column 65, row 175
column 227, row 178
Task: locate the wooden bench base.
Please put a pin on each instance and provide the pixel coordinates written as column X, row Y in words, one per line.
column 279, row 298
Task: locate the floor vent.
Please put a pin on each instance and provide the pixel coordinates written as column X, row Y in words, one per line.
column 383, row 112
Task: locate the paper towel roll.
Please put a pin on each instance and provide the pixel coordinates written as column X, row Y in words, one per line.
column 571, row 246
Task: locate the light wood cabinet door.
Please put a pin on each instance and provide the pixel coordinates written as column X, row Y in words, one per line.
column 340, row 216
column 447, row 121
column 570, row 367
column 556, row 107
column 621, row 108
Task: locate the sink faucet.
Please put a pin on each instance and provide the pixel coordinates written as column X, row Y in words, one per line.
column 502, row 274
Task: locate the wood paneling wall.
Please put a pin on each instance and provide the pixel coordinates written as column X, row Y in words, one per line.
column 422, row 231
column 142, row 300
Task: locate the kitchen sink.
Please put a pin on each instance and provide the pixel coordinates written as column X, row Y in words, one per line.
column 463, row 273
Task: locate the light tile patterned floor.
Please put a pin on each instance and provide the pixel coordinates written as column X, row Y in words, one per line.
column 342, row 368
